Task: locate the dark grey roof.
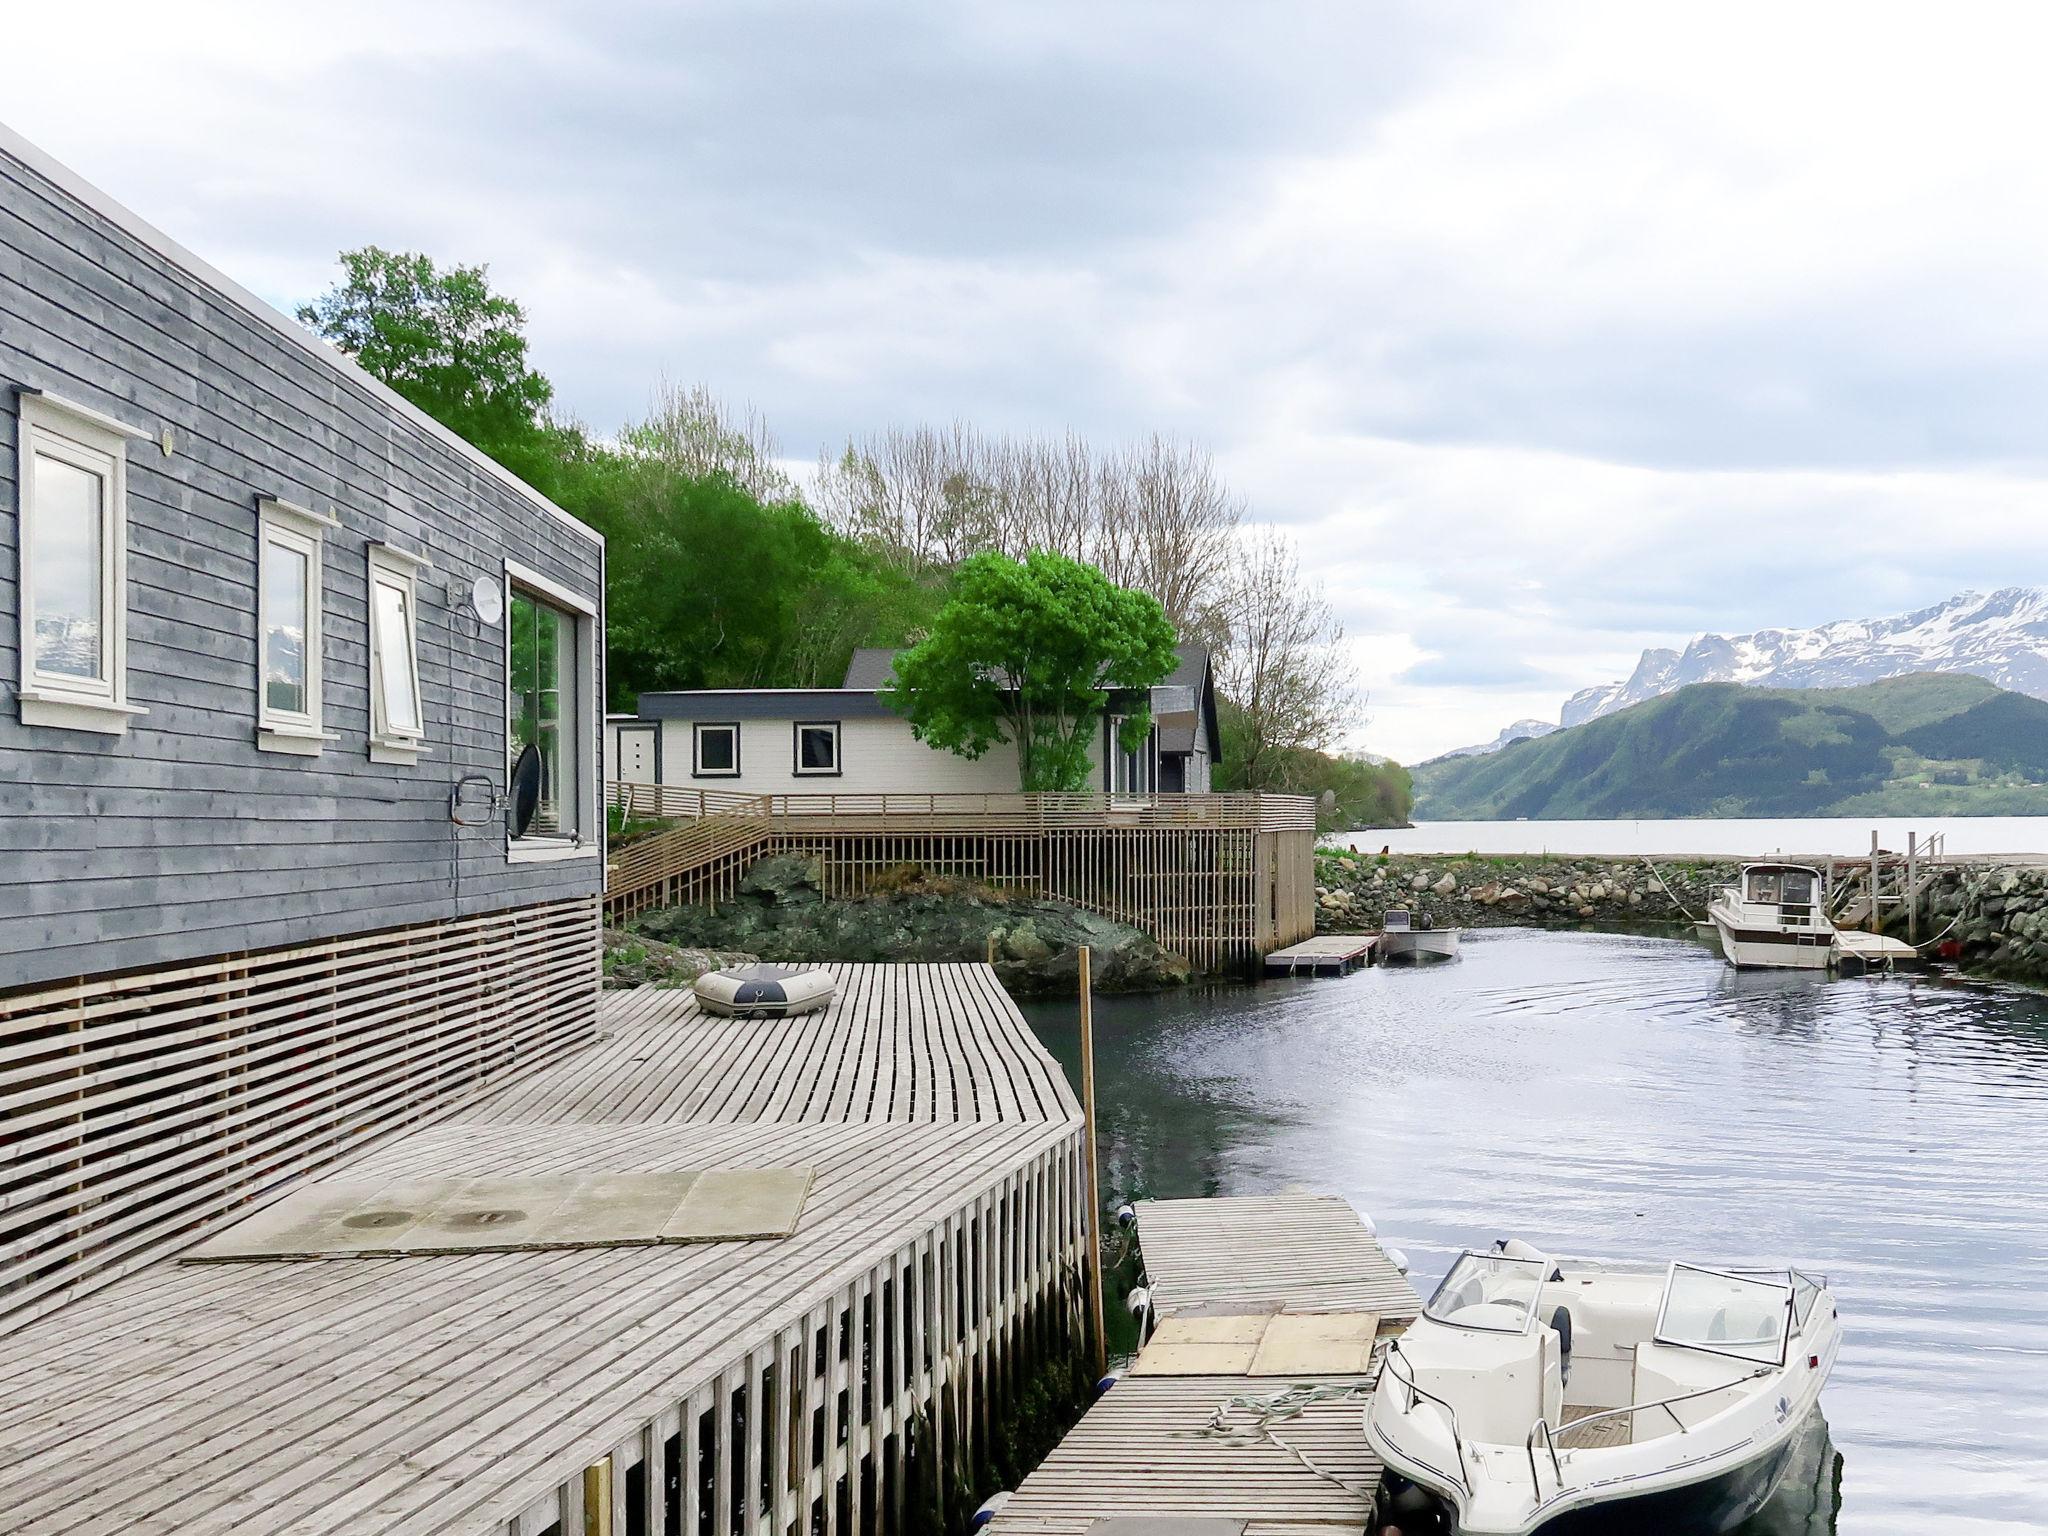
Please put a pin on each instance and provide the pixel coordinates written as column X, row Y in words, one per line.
column 762, row 704
column 870, row 668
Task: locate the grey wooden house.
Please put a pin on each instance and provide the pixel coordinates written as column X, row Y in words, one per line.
column 269, row 637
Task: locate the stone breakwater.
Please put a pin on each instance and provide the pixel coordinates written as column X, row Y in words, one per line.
column 1996, row 917
column 1354, row 890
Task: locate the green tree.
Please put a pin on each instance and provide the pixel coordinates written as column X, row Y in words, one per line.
column 445, row 341
column 1028, row 651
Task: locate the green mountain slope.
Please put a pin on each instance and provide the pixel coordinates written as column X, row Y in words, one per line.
column 1928, row 744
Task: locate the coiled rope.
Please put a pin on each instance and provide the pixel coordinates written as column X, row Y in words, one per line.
column 1270, row 1408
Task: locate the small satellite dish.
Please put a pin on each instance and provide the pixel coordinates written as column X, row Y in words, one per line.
column 524, row 798
column 487, row 597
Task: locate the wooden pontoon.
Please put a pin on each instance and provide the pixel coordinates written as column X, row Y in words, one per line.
column 610, row 1389
column 1326, row 954
column 1279, row 1454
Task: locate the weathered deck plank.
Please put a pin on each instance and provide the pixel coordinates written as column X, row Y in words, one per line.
column 1308, row 1253
column 441, row 1394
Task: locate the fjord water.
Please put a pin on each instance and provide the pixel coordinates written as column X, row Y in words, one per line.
column 1633, row 1097
column 1838, row 836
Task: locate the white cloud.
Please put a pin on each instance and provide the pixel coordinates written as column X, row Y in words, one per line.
column 1554, row 330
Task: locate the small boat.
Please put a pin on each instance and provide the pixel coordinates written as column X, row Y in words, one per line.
column 1561, row 1397
column 764, row 991
column 1403, row 937
column 1775, row 916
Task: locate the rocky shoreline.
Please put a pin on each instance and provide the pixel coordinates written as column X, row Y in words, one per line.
column 1354, row 890
column 1990, row 920
column 782, row 914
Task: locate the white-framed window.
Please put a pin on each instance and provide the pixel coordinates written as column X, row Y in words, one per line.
column 715, row 749
column 551, row 699
column 288, row 628
column 816, row 749
column 398, row 721
column 72, row 479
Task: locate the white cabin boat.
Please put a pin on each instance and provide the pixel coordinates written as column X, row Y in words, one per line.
column 1404, row 938
column 1564, row 1396
column 1774, row 916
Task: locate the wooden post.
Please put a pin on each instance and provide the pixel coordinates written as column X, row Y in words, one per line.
column 991, row 946
column 1094, row 1203
column 1913, row 888
column 1876, row 923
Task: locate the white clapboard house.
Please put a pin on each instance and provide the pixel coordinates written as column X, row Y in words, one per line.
column 848, row 740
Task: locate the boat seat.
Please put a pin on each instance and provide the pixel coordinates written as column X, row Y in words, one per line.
column 1561, row 1322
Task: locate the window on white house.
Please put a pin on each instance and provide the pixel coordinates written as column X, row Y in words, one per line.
column 397, row 722
column 288, row 629
column 717, row 750
column 74, row 553
column 547, row 711
column 817, row 747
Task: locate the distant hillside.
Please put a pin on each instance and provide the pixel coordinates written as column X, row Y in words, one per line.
column 1925, row 744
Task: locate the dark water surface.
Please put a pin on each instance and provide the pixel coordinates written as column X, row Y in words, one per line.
column 1635, row 1098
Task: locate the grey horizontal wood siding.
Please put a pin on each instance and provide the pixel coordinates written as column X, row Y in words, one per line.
column 181, row 839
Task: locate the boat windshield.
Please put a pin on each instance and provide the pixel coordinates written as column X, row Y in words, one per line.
column 1736, row 1315
column 1782, row 887
column 1488, row 1291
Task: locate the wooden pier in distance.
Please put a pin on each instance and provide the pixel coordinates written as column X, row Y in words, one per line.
column 1208, row 1427
column 1324, row 954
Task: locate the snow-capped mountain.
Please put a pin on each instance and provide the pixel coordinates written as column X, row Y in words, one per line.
column 2002, row 636
column 1521, row 730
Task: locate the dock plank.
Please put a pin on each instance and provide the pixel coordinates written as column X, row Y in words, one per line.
column 1303, row 1253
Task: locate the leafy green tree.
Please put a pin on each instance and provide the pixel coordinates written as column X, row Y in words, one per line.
column 1028, row 651
column 445, row 341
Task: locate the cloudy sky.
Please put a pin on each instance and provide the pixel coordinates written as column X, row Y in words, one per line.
column 1551, row 330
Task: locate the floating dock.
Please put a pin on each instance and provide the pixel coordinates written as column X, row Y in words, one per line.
column 1327, row 954
column 1858, row 951
column 1246, row 1407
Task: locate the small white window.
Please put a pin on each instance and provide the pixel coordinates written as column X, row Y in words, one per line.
column 288, row 628
column 817, row 748
column 397, row 724
column 717, row 754
column 73, row 480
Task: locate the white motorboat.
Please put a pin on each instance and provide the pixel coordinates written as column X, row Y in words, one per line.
column 1774, row 916
column 1567, row 1397
column 1406, row 937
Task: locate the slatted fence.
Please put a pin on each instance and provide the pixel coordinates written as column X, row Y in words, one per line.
column 138, row 1109
column 1220, row 879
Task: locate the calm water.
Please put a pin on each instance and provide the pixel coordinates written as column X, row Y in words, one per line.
column 1633, row 1097
column 1812, row 834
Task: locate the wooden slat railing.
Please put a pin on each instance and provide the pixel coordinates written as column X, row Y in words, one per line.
column 965, row 810
column 1218, row 877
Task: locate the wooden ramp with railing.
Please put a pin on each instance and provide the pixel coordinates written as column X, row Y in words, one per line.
column 1219, row 879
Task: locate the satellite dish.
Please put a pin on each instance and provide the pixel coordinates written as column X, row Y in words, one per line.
column 524, row 798
column 487, row 597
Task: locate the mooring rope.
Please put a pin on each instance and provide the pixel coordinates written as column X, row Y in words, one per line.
column 1665, row 888
column 1289, row 1402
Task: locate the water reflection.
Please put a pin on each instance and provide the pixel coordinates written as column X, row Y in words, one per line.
column 1634, row 1098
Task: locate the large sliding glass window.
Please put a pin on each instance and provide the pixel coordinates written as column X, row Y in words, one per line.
column 546, row 708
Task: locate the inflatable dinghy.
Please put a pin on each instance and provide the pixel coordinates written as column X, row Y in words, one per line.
column 764, row 991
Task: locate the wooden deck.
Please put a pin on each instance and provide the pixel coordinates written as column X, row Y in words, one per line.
column 459, row 1393
column 1323, row 955
column 1303, row 1253
column 1148, row 1448
column 1287, row 1456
